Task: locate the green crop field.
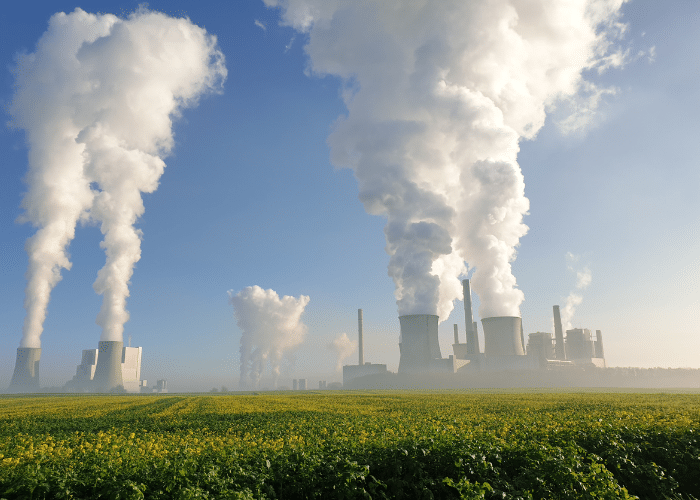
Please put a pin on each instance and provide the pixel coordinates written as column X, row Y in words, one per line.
column 351, row 445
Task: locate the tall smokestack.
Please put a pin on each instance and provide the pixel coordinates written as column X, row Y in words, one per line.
column 108, row 372
column 559, row 349
column 456, row 334
column 361, row 360
column 599, row 353
column 26, row 375
column 472, row 338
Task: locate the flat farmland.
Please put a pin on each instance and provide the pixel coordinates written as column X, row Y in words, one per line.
column 327, row 444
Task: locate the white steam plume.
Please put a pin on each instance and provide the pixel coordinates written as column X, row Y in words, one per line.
column 96, row 100
column 583, row 279
column 271, row 328
column 343, row 347
column 439, row 93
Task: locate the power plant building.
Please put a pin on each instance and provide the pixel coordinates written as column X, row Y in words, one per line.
column 504, row 345
column 363, row 368
column 108, row 367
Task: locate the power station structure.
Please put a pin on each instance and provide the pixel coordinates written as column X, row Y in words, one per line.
column 26, row 375
column 504, row 345
column 362, row 368
column 418, row 345
column 110, row 366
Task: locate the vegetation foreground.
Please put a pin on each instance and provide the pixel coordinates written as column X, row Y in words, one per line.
column 351, row 445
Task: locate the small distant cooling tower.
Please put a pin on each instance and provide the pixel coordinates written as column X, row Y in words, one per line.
column 26, row 375
column 579, row 344
column 419, row 342
column 108, row 372
column 503, row 336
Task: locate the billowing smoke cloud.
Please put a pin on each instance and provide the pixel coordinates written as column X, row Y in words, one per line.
column 343, row 347
column 439, row 93
column 583, row 279
column 271, row 328
column 97, row 99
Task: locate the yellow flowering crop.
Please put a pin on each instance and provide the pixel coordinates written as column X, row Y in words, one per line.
column 376, row 444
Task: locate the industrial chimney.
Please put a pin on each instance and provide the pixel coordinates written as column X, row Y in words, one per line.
column 559, row 349
column 26, row 375
column 108, row 372
column 359, row 338
column 599, row 345
column 419, row 342
column 456, row 334
column 472, row 337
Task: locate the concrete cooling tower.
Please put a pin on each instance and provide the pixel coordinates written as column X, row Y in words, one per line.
column 26, row 375
column 419, row 345
column 503, row 336
column 108, row 372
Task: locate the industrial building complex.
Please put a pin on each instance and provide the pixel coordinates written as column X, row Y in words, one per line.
column 505, row 349
column 112, row 367
column 508, row 358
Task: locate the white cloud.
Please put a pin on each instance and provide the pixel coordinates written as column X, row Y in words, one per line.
column 271, row 329
column 343, row 347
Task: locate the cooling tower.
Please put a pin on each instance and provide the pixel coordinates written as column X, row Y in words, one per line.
column 472, row 337
column 108, row 372
column 559, row 349
column 579, row 344
column 419, row 342
column 26, row 375
column 502, row 336
column 360, row 347
column 540, row 345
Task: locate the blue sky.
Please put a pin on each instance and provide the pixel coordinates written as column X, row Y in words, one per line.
column 250, row 197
